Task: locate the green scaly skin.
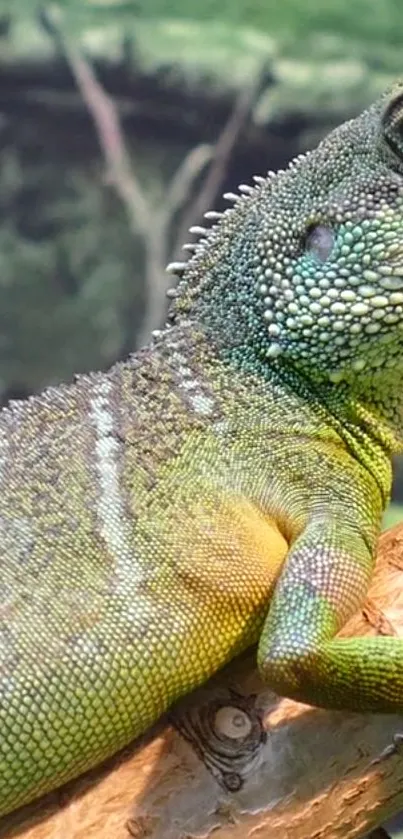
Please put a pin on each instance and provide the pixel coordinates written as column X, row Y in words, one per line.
column 221, row 488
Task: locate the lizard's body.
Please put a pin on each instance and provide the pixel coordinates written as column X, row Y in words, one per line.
column 146, row 514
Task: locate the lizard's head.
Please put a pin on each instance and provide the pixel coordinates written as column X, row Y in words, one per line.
column 307, row 268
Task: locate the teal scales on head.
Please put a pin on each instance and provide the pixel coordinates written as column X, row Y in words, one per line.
column 222, row 487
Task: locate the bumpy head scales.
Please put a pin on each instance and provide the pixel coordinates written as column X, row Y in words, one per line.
column 307, row 266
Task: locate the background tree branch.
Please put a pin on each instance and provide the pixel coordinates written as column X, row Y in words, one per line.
column 241, row 115
column 155, row 224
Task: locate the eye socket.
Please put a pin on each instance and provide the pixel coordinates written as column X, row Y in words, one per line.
column 319, row 241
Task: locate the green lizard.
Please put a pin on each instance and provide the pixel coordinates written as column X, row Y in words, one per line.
column 222, row 487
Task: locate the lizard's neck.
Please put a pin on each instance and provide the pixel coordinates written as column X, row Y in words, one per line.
column 359, row 402
column 370, row 399
column 357, row 406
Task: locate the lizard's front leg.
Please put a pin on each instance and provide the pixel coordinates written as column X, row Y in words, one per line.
column 323, row 582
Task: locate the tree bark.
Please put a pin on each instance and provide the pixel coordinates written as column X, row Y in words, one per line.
column 235, row 760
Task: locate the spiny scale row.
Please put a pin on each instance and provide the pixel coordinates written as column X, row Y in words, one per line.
column 178, row 268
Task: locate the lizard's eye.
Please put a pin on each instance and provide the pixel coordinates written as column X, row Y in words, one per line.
column 319, row 241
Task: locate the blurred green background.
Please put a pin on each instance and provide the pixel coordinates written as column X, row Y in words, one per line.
column 206, row 94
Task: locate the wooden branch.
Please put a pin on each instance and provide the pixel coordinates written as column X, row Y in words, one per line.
column 156, row 243
column 238, row 761
column 153, row 223
column 143, row 218
column 106, row 121
column 182, row 181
